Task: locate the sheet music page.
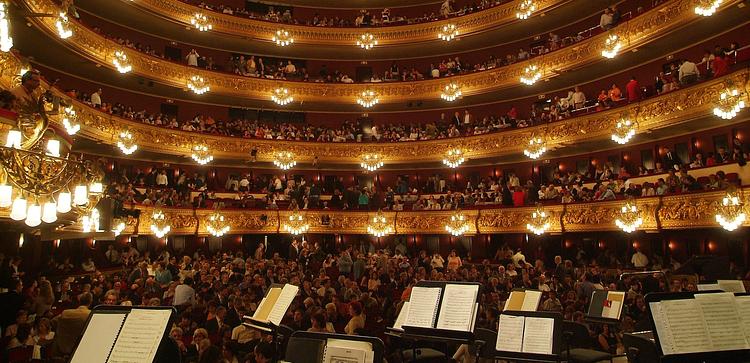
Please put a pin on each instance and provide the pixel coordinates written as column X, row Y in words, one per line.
column 457, row 308
column 537, row 335
column 140, row 336
column 266, row 304
column 99, row 337
column 354, row 345
column 686, row 325
column 709, row 287
column 343, row 355
column 743, row 307
column 510, row 333
column 288, row 293
column 401, row 318
column 423, row 305
column 731, row 285
column 613, row 306
column 515, row 301
column 720, row 312
column 531, row 300
column 662, row 331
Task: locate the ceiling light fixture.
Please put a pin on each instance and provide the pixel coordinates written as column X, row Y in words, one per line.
column 126, row 143
column 729, row 104
column 624, row 131
column 6, row 41
column 368, row 98
column 539, row 222
column 379, row 225
column 284, row 160
column 200, row 21
column 531, row 74
column 367, row 41
column 525, row 9
column 63, row 26
column 448, row 32
column 730, row 214
column 630, row 217
column 69, row 118
column 537, row 147
column 296, row 223
column 215, row 224
column 371, row 162
column 707, row 7
column 451, row 92
column 201, row 154
column 198, row 85
column 454, row 158
column 282, row 96
column 159, row 224
column 458, row 224
column 283, row 38
column 612, row 46
column 121, row 62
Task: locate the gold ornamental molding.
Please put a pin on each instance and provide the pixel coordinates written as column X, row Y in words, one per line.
column 180, row 12
column 685, row 211
column 632, row 33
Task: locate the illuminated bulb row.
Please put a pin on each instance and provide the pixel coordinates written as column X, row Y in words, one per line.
column 198, row 85
column 525, row 9
column 201, row 154
column 530, row 75
column 296, row 224
column 536, row 148
column 624, row 132
column 454, row 158
column 200, row 22
column 371, row 162
column 367, row 41
column 730, row 104
column 6, row 42
column 451, row 92
column 126, row 144
column 33, row 215
column 284, row 160
column 283, row 38
column 121, row 62
column 282, row 96
column 448, row 32
column 368, row 98
column 707, row 7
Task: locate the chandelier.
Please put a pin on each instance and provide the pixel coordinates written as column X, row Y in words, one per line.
column 215, row 224
column 451, row 92
column 454, row 158
column 630, row 218
column 448, row 32
column 730, row 214
column 612, row 46
column 531, row 74
column 121, row 62
column 159, row 224
column 537, row 147
column 200, row 21
column 38, row 168
column 201, row 154
column 371, row 162
column 6, row 42
column 69, row 120
column 624, row 131
column 368, row 98
column 283, row 38
column 198, row 85
column 379, row 225
column 296, row 223
column 125, row 143
column 458, row 225
column 366, row 41
column 284, row 160
column 539, row 222
column 63, row 26
column 90, row 223
column 118, row 226
column 282, row 96
column 729, row 104
column 525, row 9
column 707, row 7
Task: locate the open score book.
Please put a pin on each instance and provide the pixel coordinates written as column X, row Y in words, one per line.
column 274, row 305
column 456, row 310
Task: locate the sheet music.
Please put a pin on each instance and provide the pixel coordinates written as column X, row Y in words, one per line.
column 731, row 285
column 140, row 336
column 720, row 313
column 613, row 308
column 457, row 308
column 288, row 293
column 423, row 305
column 510, row 333
column 343, row 355
column 531, row 300
column 709, row 287
column 266, row 304
column 743, row 308
column 515, row 301
column 401, row 318
column 662, row 331
column 537, row 335
column 686, row 325
column 99, row 337
column 366, row 347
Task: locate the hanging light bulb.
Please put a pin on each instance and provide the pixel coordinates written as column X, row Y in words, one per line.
column 90, row 223
column 13, row 139
column 119, row 227
column 69, row 120
column 6, row 195
column 6, row 42
column 53, row 147
column 18, row 210
column 80, row 195
column 64, row 202
column 96, row 188
column 63, row 26
column 49, row 212
column 34, row 215
column 21, row 241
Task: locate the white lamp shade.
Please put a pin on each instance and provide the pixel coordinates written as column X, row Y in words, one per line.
column 18, row 211
column 6, row 194
column 53, row 147
column 80, row 195
column 49, row 212
column 63, row 202
column 14, row 139
column 34, row 215
column 96, row 188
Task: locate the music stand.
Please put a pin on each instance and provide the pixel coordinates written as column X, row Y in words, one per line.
column 596, row 307
column 557, row 342
column 279, row 332
column 378, row 347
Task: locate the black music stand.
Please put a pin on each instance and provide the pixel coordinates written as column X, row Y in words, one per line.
column 594, row 315
column 557, row 341
column 279, row 333
column 300, row 339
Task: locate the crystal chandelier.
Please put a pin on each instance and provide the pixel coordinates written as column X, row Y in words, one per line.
column 63, row 26
column 215, row 224
column 729, row 104
column 612, row 46
column 539, row 222
column 368, row 98
column 198, row 85
column 201, row 154
column 282, row 96
column 296, row 223
column 284, row 160
column 451, row 92
column 531, row 74
column 454, row 158
column 379, row 225
column 537, row 147
column 458, row 225
column 371, row 162
column 525, row 9
column 125, row 143
column 707, row 7
column 159, row 224
column 730, row 213
column 282, row 38
column 6, row 42
column 69, row 120
column 200, row 21
column 624, row 131
column 448, row 32
column 121, row 62
column 367, row 41
column 630, row 218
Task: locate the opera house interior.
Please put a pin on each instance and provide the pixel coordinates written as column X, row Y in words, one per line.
column 325, row 181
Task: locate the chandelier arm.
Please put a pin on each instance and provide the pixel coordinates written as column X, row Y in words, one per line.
column 30, row 172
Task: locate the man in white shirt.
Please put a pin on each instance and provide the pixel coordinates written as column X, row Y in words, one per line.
column 606, row 20
column 96, row 98
column 290, row 68
column 161, row 179
column 184, row 293
column 192, row 58
column 468, row 118
column 579, row 98
column 688, row 72
column 639, row 259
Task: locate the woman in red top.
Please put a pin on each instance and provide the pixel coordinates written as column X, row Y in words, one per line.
column 720, row 65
